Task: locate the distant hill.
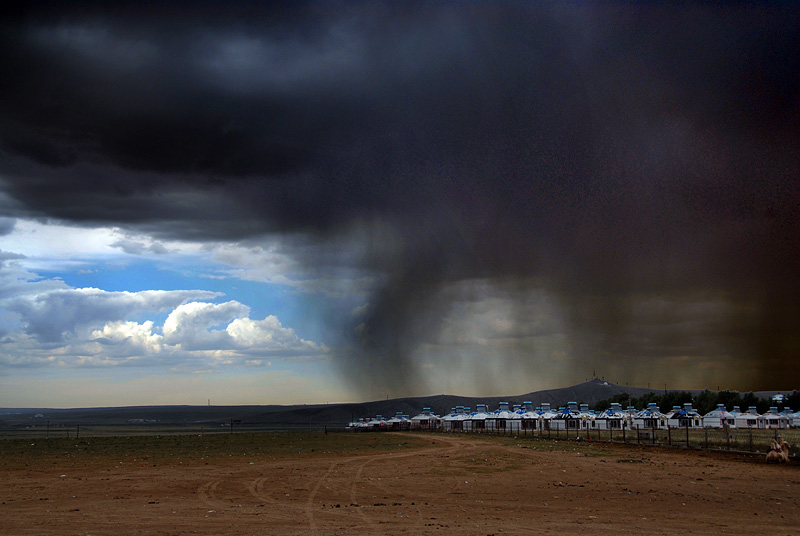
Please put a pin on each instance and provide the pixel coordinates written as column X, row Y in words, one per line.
column 589, row 392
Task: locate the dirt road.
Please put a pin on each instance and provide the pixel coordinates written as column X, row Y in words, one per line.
column 456, row 485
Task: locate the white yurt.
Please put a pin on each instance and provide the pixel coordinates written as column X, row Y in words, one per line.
column 650, row 418
column 514, row 423
column 399, row 422
column 378, row 423
column 356, row 425
column 684, row 417
column 719, row 418
column 546, row 417
column 498, row 420
column 795, row 419
column 476, row 421
column 748, row 419
column 425, row 420
column 568, row 418
column 773, row 419
column 587, row 417
column 464, row 416
column 454, row 421
column 610, row 419
column 530, row 418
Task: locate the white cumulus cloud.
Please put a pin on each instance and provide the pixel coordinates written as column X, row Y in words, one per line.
column 60, row 314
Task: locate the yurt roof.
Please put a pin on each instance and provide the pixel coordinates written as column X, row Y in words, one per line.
column 719, row 413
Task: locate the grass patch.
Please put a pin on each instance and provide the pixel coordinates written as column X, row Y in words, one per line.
column 196, row 449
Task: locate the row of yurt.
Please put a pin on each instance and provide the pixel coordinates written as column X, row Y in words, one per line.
column 577, row 417
column 379, row 423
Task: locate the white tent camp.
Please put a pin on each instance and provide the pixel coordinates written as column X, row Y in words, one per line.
column 650, row 418
column 684, row 417
column 789, row 414
column 357, row 425
column 611, row 419
column 568, row 418
column 546, row 416
column 587, row 417
column 378, row 423
column 503, row 419
column 530, row 417
column 454, row 421
column 476, row 421
column 719, row 418
column 516, row 418
column 748, row 419
column 425, row 420
column 795, row 419
column 773, row 419
column 399, row 422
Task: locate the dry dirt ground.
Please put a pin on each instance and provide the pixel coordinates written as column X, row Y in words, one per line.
column 453, row 484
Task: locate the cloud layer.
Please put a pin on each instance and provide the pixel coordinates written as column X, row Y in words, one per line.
column 636, row 165
column 46, row 322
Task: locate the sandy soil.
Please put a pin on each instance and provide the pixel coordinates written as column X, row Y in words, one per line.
column 457, row 485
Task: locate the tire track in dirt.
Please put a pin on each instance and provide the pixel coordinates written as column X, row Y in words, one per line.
column 256, row 489
column 453, row 445
column 463, row 445
column 351, row 469
column 355, row 479
column 312, row 525
column 207, row 491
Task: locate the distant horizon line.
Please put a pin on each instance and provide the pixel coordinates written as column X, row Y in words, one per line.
column 7, row 409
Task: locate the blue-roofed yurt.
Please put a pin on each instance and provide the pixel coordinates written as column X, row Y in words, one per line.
column 530, row 417
column 719, row 418
column 378, row 423
column 399, row 422
column 650, row 418
column 454, row 421
column 684, row 417
column 773, row 419
column 748, row 419
column 498, row 420
column 476, row 421
column 794, row 421
column 569, row 418
column 611, row 419
column 547, row 416
column 425, row 420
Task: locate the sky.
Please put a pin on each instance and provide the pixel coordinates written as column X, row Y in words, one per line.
column 310, row 202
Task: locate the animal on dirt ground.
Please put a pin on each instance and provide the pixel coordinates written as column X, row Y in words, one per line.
column 778, row 451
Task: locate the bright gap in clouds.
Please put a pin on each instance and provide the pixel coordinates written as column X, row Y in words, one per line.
column 119, row 307
column 113, row 260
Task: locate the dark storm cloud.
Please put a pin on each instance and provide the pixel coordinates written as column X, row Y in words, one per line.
column 603, row 152
column 7, row 225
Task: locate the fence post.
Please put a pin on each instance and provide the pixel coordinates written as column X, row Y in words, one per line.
column 705, row 432
column 669, row 435
column 687, row 433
